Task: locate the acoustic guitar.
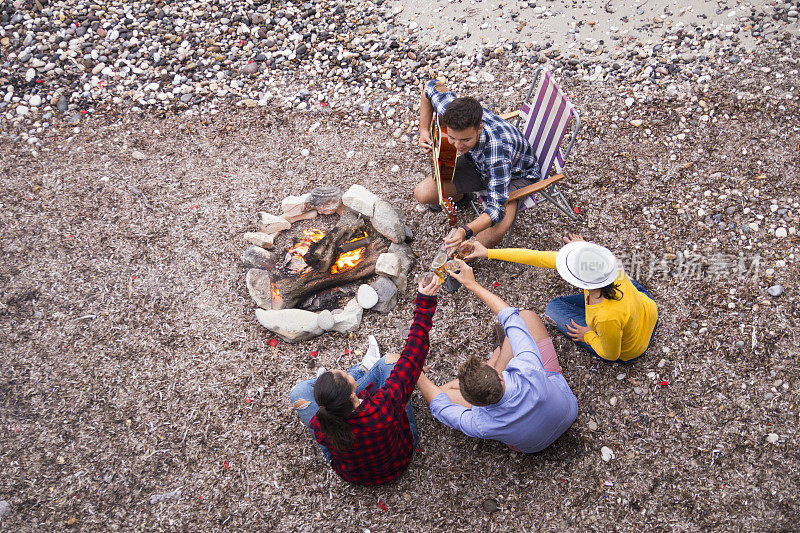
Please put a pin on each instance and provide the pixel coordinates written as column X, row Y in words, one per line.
column 443, row 159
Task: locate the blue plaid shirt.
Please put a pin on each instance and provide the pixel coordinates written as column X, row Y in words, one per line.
column 502, row 154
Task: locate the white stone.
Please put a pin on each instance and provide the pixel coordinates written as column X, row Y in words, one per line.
column 349, row 318
column 292, row 325
column 259, row 238
column 35, row 100
column 389, row 222
column 772, row 438
column 269, row 223
column 22, row 110
column 781, row 233
column 388, row 265
column 607, row 453
column 367, row 297
column 137, row 155
column 636, row 122
column 775, row 290
column 308, row 215
column 325, row 320
column 295, row 205
column 359, row 199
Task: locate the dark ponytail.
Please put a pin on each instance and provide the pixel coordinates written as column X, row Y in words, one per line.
column 611, row 292
column 332, row 394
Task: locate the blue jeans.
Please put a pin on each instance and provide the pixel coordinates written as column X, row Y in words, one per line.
column 564, row 309
column 376, row 376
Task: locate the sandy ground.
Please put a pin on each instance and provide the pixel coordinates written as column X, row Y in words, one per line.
column 133, row 365
column 478, row 23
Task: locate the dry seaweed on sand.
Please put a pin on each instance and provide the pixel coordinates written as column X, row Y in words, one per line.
column 133, row 366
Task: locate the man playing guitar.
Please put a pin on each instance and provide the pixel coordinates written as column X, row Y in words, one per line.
column 492, row 155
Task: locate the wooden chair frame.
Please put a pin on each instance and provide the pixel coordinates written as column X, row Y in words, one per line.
column 547, row 187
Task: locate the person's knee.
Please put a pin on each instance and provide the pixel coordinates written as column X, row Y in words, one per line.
column 549, row 309
column 509, row 215
column 422, row 192
column 301, row 404
column 535, row 325
column 391, row 358
column 299, row 391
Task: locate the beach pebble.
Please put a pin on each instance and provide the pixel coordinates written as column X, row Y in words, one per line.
column 775, row 290
column 367, row 296
column 325, row 320
column 606, row 453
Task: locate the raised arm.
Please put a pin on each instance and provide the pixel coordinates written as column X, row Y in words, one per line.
column 400, row 383
column 467, row 278
column 527, row 257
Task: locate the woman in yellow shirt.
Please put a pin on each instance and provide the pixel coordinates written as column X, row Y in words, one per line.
column 614, row 318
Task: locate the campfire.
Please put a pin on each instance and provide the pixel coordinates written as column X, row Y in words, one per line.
column 325, row 277
column 320, row 260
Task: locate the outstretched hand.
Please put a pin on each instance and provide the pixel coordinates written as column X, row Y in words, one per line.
column 572, row 237
column 473, row 250
column 453, row 240
column 432, row 286
column 463, row 274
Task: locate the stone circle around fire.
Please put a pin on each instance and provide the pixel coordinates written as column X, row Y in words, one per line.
column 392, row 266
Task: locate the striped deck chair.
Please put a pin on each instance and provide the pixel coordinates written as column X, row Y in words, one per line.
column 544, row 121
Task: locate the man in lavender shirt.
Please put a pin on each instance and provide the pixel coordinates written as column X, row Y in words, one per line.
column 519, row 395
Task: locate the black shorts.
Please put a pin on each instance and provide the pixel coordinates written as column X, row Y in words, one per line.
column 466, row 178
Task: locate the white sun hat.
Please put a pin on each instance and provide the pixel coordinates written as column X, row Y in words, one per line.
column 587, row 265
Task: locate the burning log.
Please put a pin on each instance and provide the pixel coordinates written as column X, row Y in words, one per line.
column 349, row 267
column 322, row 254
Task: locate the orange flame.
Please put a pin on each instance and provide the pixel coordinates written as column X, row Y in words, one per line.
column 347, row 260
column 365, row 234
column 311, row 236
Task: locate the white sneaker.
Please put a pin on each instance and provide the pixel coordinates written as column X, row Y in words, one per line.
column 321, row 370
column 373, row 353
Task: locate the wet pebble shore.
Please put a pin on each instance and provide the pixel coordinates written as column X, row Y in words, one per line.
column 63, row 60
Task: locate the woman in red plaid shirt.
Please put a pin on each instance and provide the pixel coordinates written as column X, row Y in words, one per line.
column 362, row 418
